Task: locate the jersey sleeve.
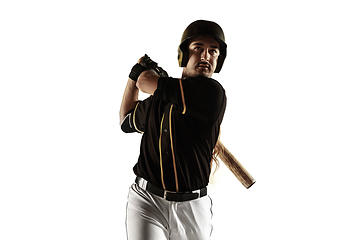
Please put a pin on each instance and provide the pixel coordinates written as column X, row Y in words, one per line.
column 135, row 120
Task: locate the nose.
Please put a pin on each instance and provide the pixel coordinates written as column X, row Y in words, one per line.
column 205, row 55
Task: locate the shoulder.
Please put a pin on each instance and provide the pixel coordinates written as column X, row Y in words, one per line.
column 207, row 84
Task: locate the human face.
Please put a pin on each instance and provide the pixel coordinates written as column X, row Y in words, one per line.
column 203, row 57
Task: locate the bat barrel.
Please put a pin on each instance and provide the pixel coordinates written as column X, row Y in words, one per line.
column 235, row 167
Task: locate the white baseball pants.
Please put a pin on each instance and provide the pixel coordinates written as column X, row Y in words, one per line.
column 149, row 217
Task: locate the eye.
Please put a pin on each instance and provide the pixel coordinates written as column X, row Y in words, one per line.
column 214, row 51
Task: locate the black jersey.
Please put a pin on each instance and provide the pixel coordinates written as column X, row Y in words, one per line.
column 180, row 124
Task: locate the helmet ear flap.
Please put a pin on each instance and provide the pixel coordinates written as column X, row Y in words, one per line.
column 180, row 57
column 221, row 60
column 183, row 54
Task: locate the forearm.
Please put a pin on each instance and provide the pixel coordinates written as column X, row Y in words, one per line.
column 141, row 79
column 130, row 97
column 147, row 82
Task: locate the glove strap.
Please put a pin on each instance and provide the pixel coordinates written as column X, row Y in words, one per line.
column 136, row 71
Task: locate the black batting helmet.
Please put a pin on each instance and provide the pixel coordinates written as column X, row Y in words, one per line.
column 206, row 29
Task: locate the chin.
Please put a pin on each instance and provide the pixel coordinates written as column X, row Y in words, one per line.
column 201, row 73
column 198, row 73
column 204, row 74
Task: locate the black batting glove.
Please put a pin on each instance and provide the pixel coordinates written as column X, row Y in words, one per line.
column 146, row 64
column 150, row 64
column 136, row 71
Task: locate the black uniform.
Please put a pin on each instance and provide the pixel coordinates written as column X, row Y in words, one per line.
column 180, row 125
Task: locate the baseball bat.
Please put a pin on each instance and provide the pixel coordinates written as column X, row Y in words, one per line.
column 235, row 167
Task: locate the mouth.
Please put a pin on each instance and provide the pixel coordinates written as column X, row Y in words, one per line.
column 203, row 65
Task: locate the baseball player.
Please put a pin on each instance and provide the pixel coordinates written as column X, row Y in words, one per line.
column 180, row 124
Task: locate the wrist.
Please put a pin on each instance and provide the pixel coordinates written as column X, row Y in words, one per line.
column 131, row 85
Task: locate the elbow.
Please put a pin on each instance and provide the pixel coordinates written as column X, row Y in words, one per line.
column 122, row 117
column 123, row 112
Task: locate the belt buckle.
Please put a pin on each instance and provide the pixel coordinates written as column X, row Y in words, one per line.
column 166, row 193
column 198, row 192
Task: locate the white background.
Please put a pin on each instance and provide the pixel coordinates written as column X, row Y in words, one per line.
column 292, row 82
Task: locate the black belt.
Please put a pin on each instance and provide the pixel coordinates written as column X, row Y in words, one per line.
column 171, row 196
